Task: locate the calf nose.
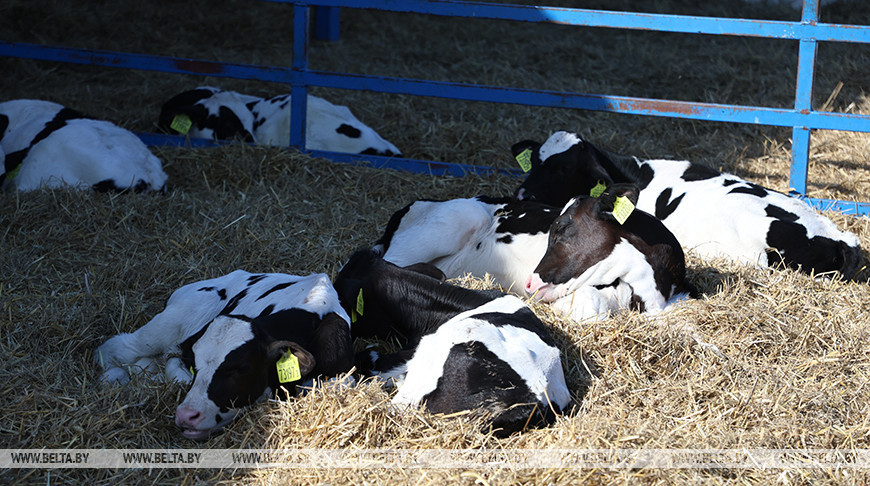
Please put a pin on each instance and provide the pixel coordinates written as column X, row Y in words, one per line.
column 187, row 418
column 533, row 283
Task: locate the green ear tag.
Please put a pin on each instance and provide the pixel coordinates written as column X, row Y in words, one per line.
column 181, row 124
column 13, row 173
column 288, row 368
column 359, row 303
column 622, row 209
column 598, row 189
column 192, row 372
column 524, row 158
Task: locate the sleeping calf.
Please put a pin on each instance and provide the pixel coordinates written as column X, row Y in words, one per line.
column 47, row 145
column 465, row 349
column 238, row 338
column 476, row 236
column 600, row 243
column 216, row 114
column 710, row 213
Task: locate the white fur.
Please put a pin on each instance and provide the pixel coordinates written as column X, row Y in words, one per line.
column 268, row 121
column 322, row 119
column 536, row 362
column 80, row 154
column 735, row 226
column 189, row 309
column 447, row 234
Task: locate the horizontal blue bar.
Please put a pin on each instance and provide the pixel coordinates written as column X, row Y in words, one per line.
column 145, row 62
column 774, row 29
column 845, row 207
column 621, row 104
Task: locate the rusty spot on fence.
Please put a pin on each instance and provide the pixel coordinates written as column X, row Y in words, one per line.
column 200, row 67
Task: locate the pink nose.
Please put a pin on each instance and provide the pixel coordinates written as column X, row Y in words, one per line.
column 533, row 283
column 187, row 418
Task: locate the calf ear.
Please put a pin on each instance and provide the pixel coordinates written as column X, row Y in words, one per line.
column 278, row 349
column 608, row 201
column 526, row 154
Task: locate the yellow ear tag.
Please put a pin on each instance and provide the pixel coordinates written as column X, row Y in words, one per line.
column 288, row 368
column 622, row 209
column 192, row 372
column 181, row 124
column 359, row 303
column 598, row 189
column 524, row 158
column 12, row 174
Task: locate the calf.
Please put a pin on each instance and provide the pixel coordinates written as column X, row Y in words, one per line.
column 476, row 236
column 604, row 243
column 47, row 145
column 713, row 214
column 238, row 338
column 465, row 349
column 207, row 112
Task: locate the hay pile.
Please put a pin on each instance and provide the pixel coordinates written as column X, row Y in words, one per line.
column 79, row 267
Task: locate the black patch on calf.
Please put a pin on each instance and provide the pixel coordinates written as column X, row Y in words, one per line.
column 233, row 303
column 523, row 318
column 730, row 182
column 697, row 172
column 276, row 288
column 753, row 189
column 226, row 126
column 780, row 214
column 374, row 151
column 222, row 293
column 506, row 239
column 348, row 131
column 475, row 378
column 536, row 217
column 253, row 279
column 14, row 159
column 790, row 246
column 4, row 124
column 268, row 310
column 664, row 206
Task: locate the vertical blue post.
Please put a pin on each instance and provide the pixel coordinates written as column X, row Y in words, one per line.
column 326, row 23
column 299, row 100
column 800, row 148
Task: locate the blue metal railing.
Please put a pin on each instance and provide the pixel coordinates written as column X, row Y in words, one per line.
column 801, row 119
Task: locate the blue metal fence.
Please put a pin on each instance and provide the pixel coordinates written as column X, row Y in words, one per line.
column 801, row 119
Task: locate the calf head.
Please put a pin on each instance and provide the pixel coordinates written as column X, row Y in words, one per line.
column 235, row 363
column 209, row 113
column 584, row 234
column 566, row 166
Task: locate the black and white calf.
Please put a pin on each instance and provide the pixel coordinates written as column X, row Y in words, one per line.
column 476, row 236
column 47, row 145
column 216, row 114
column 238, row 338
column 602, row 244
column 466, row 349
column 712, row 214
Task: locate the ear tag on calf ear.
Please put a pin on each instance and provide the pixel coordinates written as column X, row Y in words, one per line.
column 288, row 368
column 524, row 158
column 598, row 189
column 192, row 371
column 181, row 124
column 359, row 303
column 622, row 209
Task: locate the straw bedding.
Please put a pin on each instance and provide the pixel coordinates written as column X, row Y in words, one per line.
column 792, row 359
